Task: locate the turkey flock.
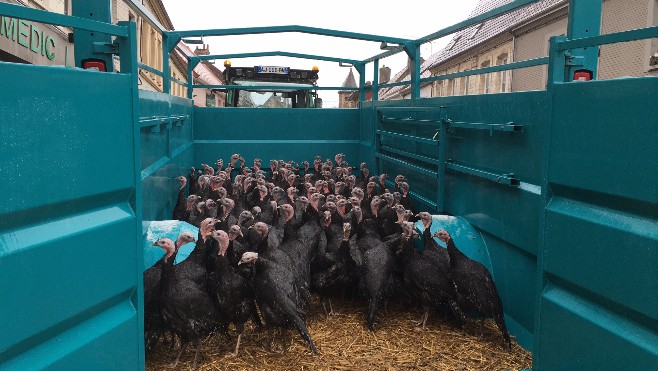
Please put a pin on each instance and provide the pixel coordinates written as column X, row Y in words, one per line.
column 268, row 238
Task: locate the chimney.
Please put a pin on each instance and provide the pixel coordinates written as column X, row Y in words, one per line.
column 384, row 75
column 205, row 50
column 410, row 64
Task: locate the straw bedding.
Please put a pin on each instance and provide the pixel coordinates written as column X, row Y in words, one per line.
column 344, row 343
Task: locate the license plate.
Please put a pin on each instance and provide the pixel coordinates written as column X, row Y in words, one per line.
column 274, row 69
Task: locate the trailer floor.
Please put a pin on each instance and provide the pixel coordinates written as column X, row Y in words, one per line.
column 344, row 343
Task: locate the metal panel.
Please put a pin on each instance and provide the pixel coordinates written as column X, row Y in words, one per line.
column 600, row 239
column 166, row 152
column 288, row 134
column 507, row 217
column 68, row 224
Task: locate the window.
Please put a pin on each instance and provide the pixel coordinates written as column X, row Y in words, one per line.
column 466, row 82
column 504, row 75
column 453, row 42
column 485, row 80
column 150, row 51
column 475, row 31
column 439, row 89
column 453, row 86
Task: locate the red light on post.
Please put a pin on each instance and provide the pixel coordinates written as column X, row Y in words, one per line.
column 582, row 75
column 94, row 65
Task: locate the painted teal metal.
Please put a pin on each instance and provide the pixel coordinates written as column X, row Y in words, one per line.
column 291, row 28
column 167, row 151
column 564, row 201
column 71, row 217
column 506, row 217
column 68, row 221
column 85, row 41
column 599, row 234
column 298, row 134
column 584, row 21
column 277, row 53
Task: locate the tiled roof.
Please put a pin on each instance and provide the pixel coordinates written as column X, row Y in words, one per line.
column 473, row 36
column 349, row 82
column 470, row 38
column 387, row 93
column 206, row 75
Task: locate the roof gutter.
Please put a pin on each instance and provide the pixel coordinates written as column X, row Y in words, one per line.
column 545, row 13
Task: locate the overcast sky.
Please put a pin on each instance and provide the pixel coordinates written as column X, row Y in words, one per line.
column 410, row 19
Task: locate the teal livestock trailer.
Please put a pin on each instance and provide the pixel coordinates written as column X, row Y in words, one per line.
column 561, row 185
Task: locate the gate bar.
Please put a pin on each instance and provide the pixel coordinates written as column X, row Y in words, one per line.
column 405, row 137
column 414, row 156
column 508, row 179
column 415, row 168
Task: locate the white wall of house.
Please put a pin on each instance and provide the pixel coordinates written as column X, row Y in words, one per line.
column 533, row 42
column 631, row 58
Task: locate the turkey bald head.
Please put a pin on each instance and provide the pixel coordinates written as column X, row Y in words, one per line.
column 234, row 231
column 182, row 180
column 167, row 245
column 443, row 235
column 222, row 238
column 288, row 211
column 249, row 257
column 184, row 238
column 426, row 218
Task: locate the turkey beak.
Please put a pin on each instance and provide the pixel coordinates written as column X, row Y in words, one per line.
column 154, row 243
column 240, row 262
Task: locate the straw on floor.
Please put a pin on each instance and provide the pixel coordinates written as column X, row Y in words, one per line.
column 345, row 343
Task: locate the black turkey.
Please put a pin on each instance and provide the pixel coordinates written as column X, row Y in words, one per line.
column 475, row 286
column 153, row 323
column 187, row 309
column 277, row 295
column 181, row 202
column 230, row 291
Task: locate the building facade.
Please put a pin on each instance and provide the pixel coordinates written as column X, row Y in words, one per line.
column 524, row 34
column 346, row 98
column 149, row 46
column 35, row 43
column 205, row 73
column 30, row 42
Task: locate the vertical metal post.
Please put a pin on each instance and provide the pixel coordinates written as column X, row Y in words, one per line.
column 557, row 71
column 361, row 69
column 128, row 53
column 377, row 139
column 97, row 10
column 584, row 21
column 441, row 169
column 166, row 71
column 413, row 51
column 190, row 78
column 375, row 81
column 192, row 62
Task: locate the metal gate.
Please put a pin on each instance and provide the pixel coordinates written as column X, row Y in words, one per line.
column 70, row 218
